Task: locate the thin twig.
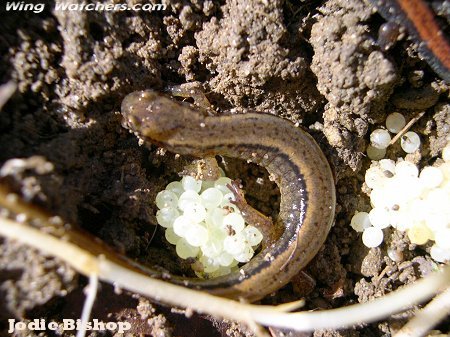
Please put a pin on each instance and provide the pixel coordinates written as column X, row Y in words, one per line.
column 6, row 91
column 257, row 329
column 291, row 306
column 113, row 273
column 428, row 317
column 91, row 293
column 407, row 127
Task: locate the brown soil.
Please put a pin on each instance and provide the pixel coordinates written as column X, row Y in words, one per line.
column 315, row 63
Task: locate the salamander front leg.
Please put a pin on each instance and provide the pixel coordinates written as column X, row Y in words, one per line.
column 254, row 217
column 192, row 90
column 203, row 169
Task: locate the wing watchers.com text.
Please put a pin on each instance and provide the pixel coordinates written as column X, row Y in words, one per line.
column 97, row 6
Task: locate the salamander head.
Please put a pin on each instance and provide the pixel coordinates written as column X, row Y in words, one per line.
column 152, row 115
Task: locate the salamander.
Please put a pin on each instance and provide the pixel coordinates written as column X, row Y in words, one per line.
column 421, row 23
column 289, row 154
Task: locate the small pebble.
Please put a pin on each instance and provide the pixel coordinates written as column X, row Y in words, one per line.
column 395, row 255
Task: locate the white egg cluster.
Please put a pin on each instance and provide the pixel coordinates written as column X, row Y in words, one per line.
column 407, row 200
column 380, row 138
column 203, row 223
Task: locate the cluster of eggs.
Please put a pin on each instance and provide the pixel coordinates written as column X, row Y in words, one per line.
column 408, row 200
column 381, row 138
column 202, row 222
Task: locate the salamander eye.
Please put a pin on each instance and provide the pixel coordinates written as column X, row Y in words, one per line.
column 151, row 114
column 137, row 104
column 143, row 109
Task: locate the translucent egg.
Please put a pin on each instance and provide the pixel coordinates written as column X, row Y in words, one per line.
column 417, row 209
column 439, row 254
column 213, row 247
column 245, row 256
column 166, row 216
column 217, row 215
column 372, row 237
column 410, row 142
column 185, row 250
column 360, row 221
column 191, row 184
column 445, row 169
column 419, row 233
column 209, row 264
column 181, row 225
column 374, row 177
column 406, row 168
column 229, row 207
column 437, row 200
column 380, row 138
column 196, row 235
column 233, row 222
column 225, row 259
column 374, row 153
column 252, row 235
column 380, row 198
column 234, row 244
column 431, row 177
column 166, row 199
column 187, row 198
column 222, row 183
column 395, row 122
column 388, row 167
column 437, row 221
column 446, row 153
column 207, row 184
column 195, row 211
column 443, row 238
column 399, row 220
column 405, row 188
column 212, row 197
column 176, row 187
column 379, row 217
column 171, row 237
column 227, row 198
column 221, row 272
